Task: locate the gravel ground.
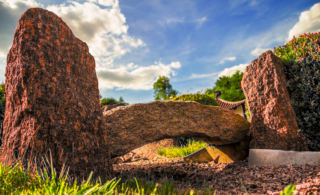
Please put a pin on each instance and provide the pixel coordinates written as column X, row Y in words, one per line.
column 225, row 178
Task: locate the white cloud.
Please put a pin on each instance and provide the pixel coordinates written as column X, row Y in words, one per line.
column 114, row 3
column 175, row 64
column 227, row 59
column 230, row 71
column 174, row 20
column 132, row 42
column 104, row 30
column 142, row 78
column 131, row 66
column 13, row 3
column 258, row 51
column 201, row 20
column 309, row 21
column 199, row 76
column 182, row 20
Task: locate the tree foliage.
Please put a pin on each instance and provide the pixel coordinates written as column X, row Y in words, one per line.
column 162, row 89
column 230, row 87
column 121, row 100
column 110, row 101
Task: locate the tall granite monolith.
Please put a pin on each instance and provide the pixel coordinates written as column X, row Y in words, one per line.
column 273, row 120
column 52, row 98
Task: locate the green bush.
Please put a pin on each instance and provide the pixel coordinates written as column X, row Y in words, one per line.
column 302, row 69
column 299, row 47
column 200, row 98
column 230, row 87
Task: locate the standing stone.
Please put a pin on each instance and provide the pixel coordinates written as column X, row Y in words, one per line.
column 273, row 120
column 52, row 98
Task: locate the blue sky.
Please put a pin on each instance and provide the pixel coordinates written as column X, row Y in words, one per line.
column 191, row 42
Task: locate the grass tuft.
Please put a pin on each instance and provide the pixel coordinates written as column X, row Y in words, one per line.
column 172, row 152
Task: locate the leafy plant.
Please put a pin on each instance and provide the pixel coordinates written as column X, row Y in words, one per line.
column 230, row 87
column 299, row 47
column 289, row 190
column 302, row 68
column 200, row 98
column 162, row 89
column 110, row 101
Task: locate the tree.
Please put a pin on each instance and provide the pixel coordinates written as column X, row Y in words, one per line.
column 108, row 101
column 163, row 89
column 230, row 87
column 174, row 93
column 121, row 100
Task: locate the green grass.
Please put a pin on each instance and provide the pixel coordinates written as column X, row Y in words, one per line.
column 172, row 152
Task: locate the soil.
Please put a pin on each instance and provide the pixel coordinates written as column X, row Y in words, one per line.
column 223, row 178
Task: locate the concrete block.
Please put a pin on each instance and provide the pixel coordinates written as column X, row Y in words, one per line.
column 276, row 157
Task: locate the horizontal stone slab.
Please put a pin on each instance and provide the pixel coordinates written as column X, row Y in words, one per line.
column 263, row 157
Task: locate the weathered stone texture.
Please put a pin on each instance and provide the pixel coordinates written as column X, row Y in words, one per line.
column 146, row 152
column 52, row 97
column 109, row 107
column 136, row 125
column 273, row 120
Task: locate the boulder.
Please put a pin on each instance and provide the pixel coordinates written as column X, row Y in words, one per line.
column 136, row 125
column 52, row 98
column 273, row 120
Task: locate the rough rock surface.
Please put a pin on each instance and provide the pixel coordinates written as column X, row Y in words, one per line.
column 273, row 120
column 136, row 125
column 52, row 98
column 146, row 152
column 109, row 107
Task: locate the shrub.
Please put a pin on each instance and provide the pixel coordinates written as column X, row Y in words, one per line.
column 200, row 98
column 108, row 101
column 302, row 69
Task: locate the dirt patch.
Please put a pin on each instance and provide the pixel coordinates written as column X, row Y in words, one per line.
column 225, row 178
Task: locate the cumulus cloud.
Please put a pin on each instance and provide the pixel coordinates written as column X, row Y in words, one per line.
column 104, row 30
column 141, row 78
column 114, row 3
column 309, row 21
column 258, row 51
column 230, row 71
column 227, row 59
